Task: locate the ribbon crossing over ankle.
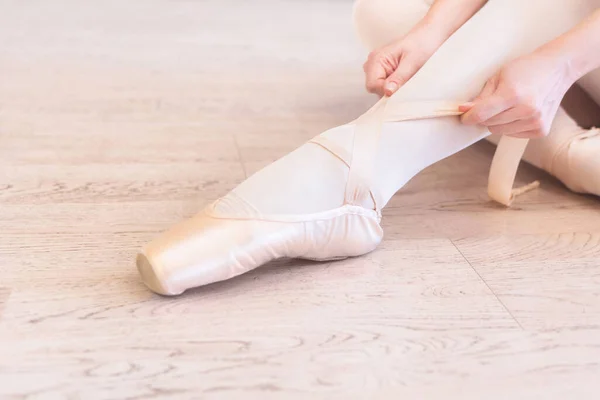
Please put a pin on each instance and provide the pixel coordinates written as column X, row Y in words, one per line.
column 367, row 134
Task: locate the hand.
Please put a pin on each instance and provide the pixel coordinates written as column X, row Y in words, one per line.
column 522, row 99
column 391, row 66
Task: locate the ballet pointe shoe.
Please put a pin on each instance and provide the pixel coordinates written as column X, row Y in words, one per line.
column 569, row 153
column 584, row 163
column 231, row 237
column 215, row 245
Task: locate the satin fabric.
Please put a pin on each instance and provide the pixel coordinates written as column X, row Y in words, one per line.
column 213, row 246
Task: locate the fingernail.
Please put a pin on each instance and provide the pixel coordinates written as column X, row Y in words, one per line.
column 465, row 107
column 391, row 87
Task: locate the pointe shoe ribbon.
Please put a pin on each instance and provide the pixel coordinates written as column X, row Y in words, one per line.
column 504, row 170
column 367, row 134
column 366, row 140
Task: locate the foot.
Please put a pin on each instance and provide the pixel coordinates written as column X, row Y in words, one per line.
column 216, row 245
column 320, row 202
column 569, row 153
column 293, row 208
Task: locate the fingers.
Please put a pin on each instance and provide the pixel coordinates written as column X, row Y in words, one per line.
column 375, row 76
column 379, row 66
column 463, row 108
column 406, row 70
column 488, row 89
column 485, row 109
column 486, row 105
column 511, row 115
column 528, row 135
column 522, row 128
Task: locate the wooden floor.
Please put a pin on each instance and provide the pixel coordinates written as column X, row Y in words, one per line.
column 120, row 118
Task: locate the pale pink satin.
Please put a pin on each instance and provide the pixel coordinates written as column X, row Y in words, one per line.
column 212, row 247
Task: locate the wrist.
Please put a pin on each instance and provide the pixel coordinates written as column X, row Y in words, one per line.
column 563, row 63
column 581, row 60
column 430, row 36
column 446, row 16
column 579, row 49
column 569, row 58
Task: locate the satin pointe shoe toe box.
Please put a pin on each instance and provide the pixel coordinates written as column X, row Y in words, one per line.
column 212, row 247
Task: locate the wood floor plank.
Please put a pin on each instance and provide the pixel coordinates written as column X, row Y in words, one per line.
column 545, row 280
column 4, row 295
column 37, row 184
column 345, row 360
column 338, row 335
column 425, row 281
column 119, row 119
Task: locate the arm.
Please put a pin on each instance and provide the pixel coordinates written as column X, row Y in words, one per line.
column 523, row 98
column 389, row 67
column 579, row 48
column 446, row 16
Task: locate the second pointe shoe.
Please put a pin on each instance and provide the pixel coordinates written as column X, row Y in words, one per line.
column 569, row 153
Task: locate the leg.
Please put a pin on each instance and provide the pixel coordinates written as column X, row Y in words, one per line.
column 241, row 232
column 294, row 198
column 380, row 21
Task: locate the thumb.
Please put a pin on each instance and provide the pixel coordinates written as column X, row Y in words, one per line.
column 486, row 109
column 406, row 69
column 488, row 89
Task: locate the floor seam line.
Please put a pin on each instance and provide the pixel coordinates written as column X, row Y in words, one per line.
column 239, row 153
column 487, row 285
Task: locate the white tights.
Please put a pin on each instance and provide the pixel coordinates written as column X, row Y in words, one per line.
column 310, row 179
